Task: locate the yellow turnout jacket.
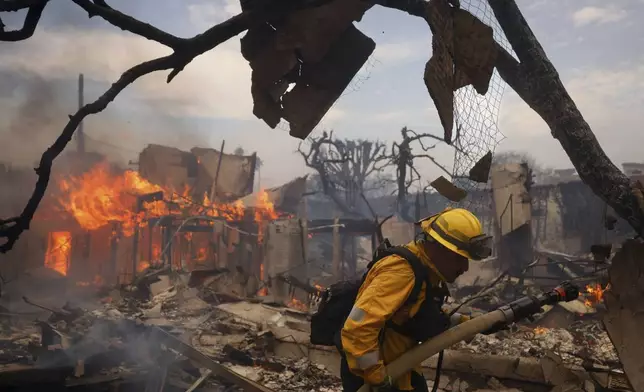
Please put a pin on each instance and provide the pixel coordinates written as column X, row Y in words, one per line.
column 380, row 298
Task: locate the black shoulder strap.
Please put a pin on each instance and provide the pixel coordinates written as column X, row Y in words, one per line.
column 420, row 271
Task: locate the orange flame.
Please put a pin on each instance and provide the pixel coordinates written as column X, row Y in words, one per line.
column 263, row 292
column 595, row 294
column 296, row 304
column 540, row 330
column 99, row 197
column 102, row 195
column 142, row 266
column 156, row 252
column 98, row 281
column 230, row 212
column 58, row 251
column 264, row 210
column 202, row 254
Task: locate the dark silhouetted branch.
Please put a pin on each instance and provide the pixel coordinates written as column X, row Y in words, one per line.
column 18, row 5
column 34, row 12
column 403, row 158
column 128, row 23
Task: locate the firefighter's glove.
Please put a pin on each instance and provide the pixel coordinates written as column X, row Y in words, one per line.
column 385, row 386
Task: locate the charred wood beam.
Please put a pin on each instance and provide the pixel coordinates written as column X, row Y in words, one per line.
column 295, row 282
column 536, row 81
column 199, row 381
column 152, row 276
column 184, row 51
column 204, row 361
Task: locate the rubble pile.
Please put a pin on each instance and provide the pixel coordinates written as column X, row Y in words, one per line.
column 298, row 376
column 151, row 335
column 586, row 341
column 165, row 331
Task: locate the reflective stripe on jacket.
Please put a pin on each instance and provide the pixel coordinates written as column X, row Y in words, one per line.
column 384, row 291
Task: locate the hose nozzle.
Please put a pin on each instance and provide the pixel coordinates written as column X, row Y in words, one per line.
column 565, row 292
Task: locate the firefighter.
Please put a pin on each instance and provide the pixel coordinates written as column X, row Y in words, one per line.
column 384, row 322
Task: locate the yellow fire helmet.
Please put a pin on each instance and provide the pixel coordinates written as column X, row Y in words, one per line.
column 458, row 230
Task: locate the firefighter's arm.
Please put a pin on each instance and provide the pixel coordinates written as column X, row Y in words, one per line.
column 384, row 295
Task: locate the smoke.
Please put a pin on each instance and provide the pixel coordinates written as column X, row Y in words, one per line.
column 36, row 110
column 29, row 117
column 135, row 340
column 38, row 89
column 109, row 343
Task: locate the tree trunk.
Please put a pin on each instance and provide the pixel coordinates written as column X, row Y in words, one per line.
column 537, row 82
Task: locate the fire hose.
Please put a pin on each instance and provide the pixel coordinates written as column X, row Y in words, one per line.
column 520, row 309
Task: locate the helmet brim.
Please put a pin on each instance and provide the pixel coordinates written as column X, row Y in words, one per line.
column 449, row 245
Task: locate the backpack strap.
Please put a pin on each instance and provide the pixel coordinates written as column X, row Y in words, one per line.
column 420, row 271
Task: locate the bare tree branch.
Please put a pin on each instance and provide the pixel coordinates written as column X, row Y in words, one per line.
column 128, row 23
column 344, row 167
column 435, row 162
column 184, row 52
column 35, row 10
column 403, row 157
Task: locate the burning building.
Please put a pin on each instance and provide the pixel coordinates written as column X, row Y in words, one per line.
column 101, row 223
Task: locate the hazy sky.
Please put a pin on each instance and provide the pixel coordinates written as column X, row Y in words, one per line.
column 597, row 46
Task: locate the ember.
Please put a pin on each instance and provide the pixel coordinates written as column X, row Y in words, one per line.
column 540, row 330
column 58, row 251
